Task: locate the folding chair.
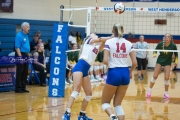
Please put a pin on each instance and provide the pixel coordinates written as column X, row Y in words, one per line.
column 33, row 73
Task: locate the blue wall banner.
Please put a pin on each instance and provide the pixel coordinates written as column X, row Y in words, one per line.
column 145, row 0
column 58, row 61
column 121, row 0
column 169, row 0
column 7, row 77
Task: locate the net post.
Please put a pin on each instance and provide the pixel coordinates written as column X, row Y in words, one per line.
column 61, row 14
column 88, row 21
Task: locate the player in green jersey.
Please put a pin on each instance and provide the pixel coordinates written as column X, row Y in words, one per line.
column 164, row 59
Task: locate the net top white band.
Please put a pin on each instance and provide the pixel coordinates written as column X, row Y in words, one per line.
column 149, row 9
column 139, row 50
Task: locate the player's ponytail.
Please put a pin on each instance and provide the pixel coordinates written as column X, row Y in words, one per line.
column 83, row 44
column 118, row 30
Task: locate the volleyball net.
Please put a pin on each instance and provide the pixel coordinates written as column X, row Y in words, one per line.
column 153, row 23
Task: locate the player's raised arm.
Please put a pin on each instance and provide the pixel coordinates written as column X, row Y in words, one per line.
column 101, row 39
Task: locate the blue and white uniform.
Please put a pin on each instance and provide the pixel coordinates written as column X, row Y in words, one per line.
column 87, row 57
column 118, row 72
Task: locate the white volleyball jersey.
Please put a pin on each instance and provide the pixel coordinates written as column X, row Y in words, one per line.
column 89, row 52
column 119, row 51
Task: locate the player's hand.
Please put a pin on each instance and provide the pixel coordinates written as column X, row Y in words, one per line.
column 154, row 56
column 94, row 40
column 175, row 64
column 44, row 66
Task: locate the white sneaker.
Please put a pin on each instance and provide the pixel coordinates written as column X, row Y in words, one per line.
column 66, row 82
column 70, row 80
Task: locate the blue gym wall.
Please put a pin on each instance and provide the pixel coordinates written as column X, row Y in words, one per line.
column 8, row 32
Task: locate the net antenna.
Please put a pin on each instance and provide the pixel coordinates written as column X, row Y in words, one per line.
column 88, row 22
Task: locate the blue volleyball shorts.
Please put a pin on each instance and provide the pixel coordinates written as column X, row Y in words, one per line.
column 118, row 76
column 81, row 66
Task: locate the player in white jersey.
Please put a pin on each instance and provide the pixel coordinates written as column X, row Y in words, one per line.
column 116, row 53
column 88, row 53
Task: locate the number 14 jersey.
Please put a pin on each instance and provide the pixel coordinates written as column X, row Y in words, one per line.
column 119, row 50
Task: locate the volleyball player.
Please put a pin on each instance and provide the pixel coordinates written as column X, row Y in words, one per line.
column 173, row 58
column 116, row 53
column 164, row 59
column 88, row 53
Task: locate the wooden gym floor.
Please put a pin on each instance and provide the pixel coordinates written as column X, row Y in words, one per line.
column 37, row 106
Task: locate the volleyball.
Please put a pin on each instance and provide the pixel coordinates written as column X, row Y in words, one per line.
column 119, row 8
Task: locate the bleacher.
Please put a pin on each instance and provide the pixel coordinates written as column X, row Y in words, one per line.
column 8, row 28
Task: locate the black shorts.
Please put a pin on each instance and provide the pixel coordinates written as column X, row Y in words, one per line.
column 142, row 62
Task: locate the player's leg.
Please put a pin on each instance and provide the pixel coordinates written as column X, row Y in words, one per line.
column 167, row 70
column 157, row 68
column 108, row 93
column 120, row 93
column 110, row 87
column 172, row 67
column 77, row 81
column 77, row 78
column 86, row 84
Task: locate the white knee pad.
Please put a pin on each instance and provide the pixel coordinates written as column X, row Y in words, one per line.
column 101, row 67
column 96, row 68
column 166, row 82
column 105, row 106
column 91, row 68
column 119, row 110
column 153, row 80
column 74, row 94
column 88, row 98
